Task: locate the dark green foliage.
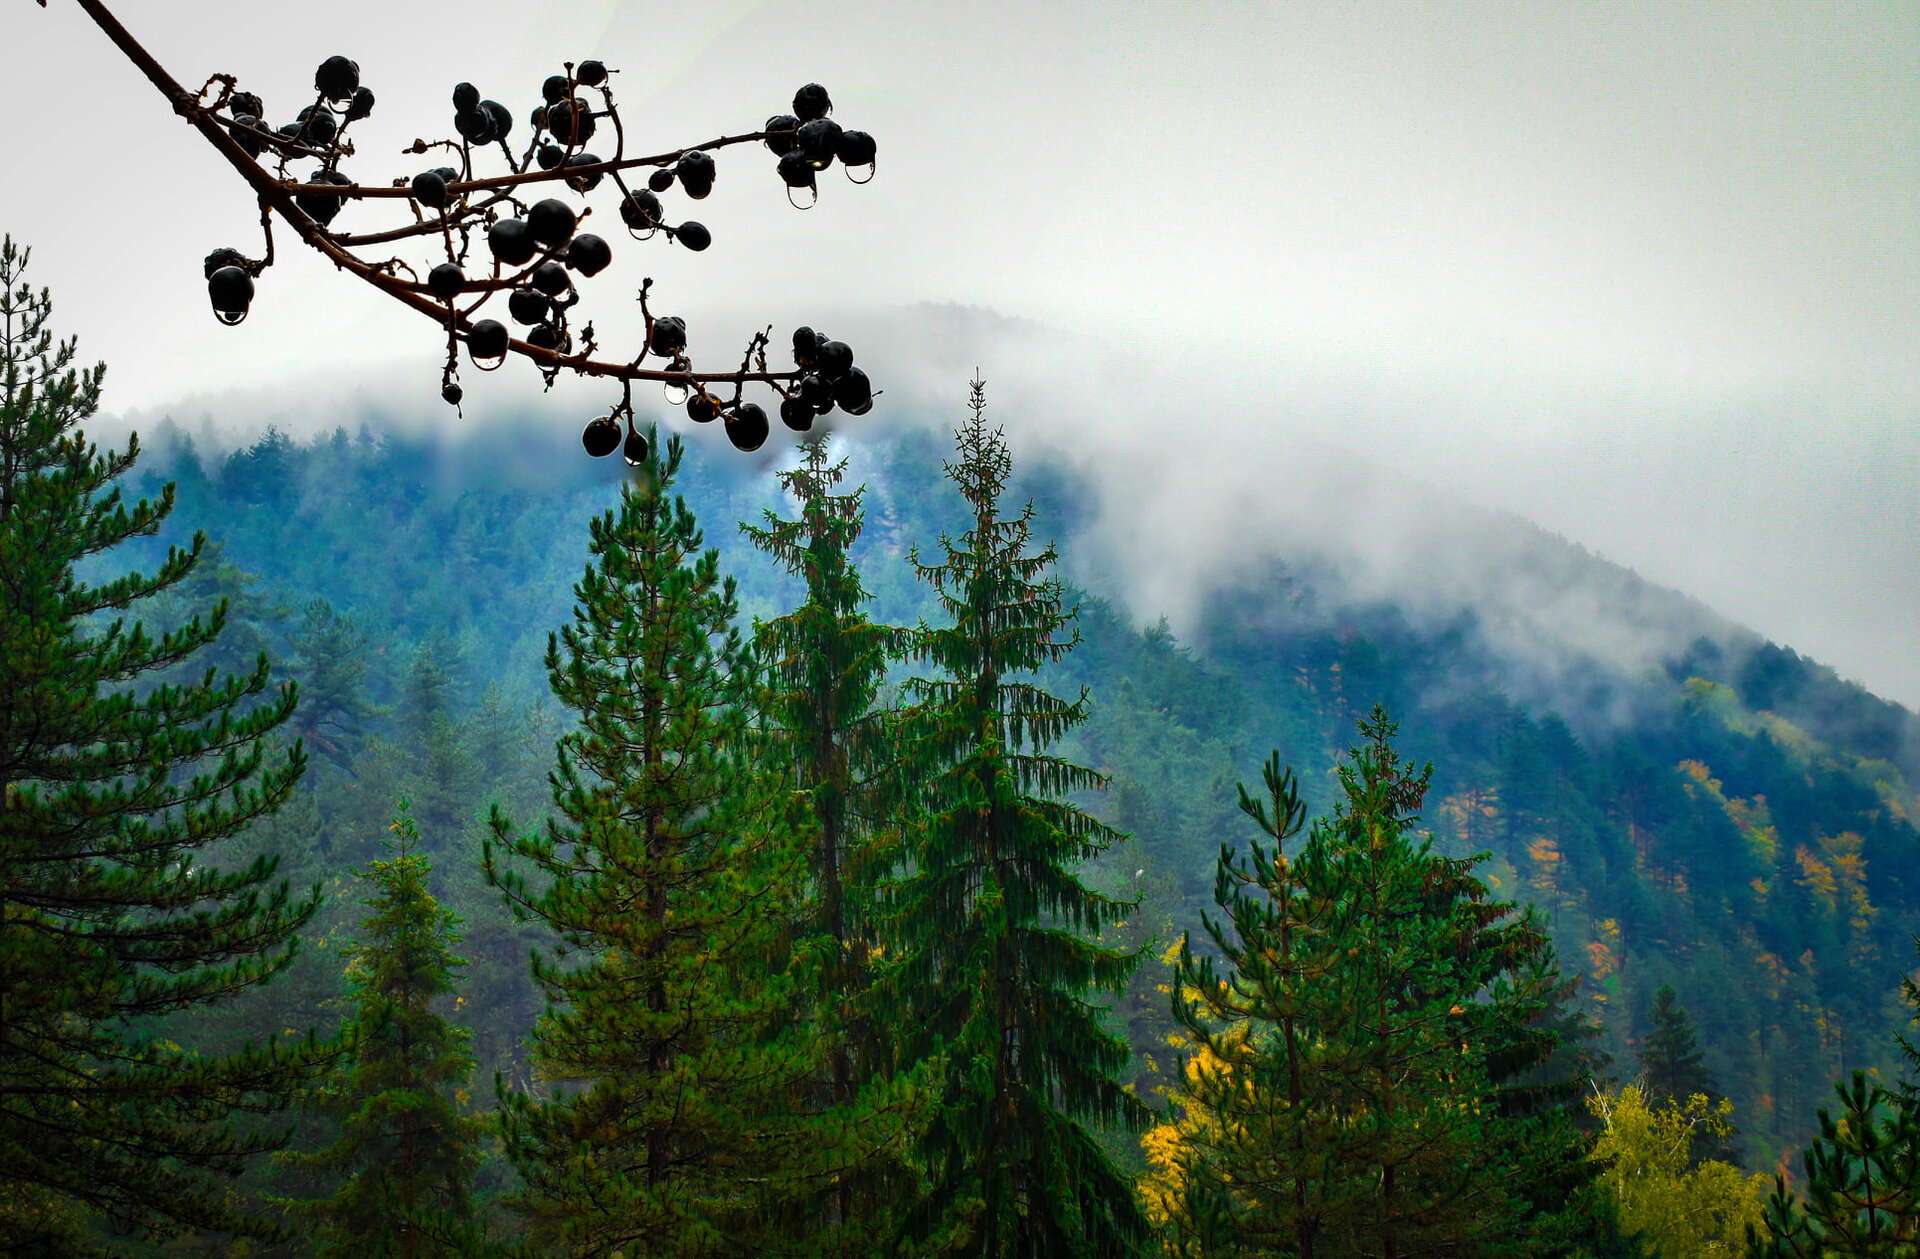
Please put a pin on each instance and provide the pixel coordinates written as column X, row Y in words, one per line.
column 823, row 665
column 1673, row 1067
column 405, row 1156
column 330, row 657
column 669, row 879
column 1862, row 1189
column 109, row 915
column 991, row 929
column 1373, row 1037
column 1684, row 831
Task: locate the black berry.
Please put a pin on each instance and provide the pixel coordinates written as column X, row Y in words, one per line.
column 445, row 280
column 554, row 89
column 796, row 414
column 528, row 307
column 747, row 427
column 584, row 183
column 853, row 392
column 321, row 208
column 550, row 278
column 512, row 242
column 465, row 97
column 695, row 171
column 780, row 129
column 337, row 78
column 602, row 436
column 429, row 189
column 660, row 180
column 818, row 140
column 223, row 257
column 361, row 105
column 669, row 336
column 635, row 450
column 230, row 289
column 487, row 341
column 796, row 169
column 502, row 119
column 640, row 211
column 694, row 236
column 855, row 148
column 591, row 73
column 834, row 359
column 701, row 408
column 571, row 121
column 551, row 221
column 811, row 102
column 588, row 254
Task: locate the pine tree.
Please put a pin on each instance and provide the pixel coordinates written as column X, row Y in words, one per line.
column 331, row 659
column 1256, row 1165
column 824, row 664
column 1862, row 1193
column 669, row 878
column 405, row 1155
column 992, row 932
column 107, row 792
column 1364, row 1082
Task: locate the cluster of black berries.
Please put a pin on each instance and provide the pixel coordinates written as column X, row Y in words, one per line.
column 315, row 132
column 537, row 250
column 807, row 141
column 608, row 434
column 831, row 380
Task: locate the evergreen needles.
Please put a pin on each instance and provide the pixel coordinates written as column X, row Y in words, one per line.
column 108, row 793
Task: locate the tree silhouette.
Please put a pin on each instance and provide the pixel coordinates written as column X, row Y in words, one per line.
column 535, row 252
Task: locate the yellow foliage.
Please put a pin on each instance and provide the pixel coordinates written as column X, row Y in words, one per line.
column 1686, row 1213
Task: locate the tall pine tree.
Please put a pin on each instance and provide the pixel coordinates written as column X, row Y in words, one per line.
column 405, row 1155
column 108, row 794
column 1365, row 1078
column 669, row 877
column 993, row 932
column 822, row 724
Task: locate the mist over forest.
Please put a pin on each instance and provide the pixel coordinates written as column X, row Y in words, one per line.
column 1306, row 656
column 1688, row 805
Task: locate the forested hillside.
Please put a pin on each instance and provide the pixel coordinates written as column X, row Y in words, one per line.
column 1735, row 825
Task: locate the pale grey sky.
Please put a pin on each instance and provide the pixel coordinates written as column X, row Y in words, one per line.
column 1646, row 274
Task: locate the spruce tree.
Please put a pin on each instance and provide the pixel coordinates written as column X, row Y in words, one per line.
column 1671, row 1063
column 1673, row 1068
column 111, row 918
column 669, row 878
column 824, row 664
column 405, row 1155
column 992, row 933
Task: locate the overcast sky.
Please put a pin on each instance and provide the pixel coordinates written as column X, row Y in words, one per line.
column 1648, row 275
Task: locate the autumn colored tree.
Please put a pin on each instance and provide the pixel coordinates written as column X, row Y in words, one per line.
column 1679, row 1204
